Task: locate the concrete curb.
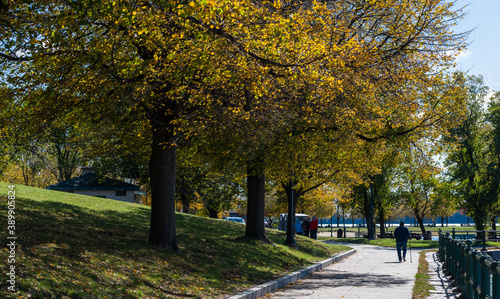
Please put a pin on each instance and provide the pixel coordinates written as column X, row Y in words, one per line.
column 273, row 285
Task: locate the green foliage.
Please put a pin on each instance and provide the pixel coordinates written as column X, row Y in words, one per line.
column 445, row 203
column 219, row 192
column 467, row 162
column 493, row 154
column 416, row 181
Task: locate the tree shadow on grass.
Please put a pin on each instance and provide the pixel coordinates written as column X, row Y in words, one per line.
column 67, row 250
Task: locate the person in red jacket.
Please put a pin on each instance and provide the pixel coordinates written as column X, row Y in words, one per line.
column 314, row 227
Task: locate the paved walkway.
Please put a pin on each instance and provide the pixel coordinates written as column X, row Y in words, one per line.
column 373, row 272
column 443, row 287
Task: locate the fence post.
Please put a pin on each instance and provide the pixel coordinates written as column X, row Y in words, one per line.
column 447, row 253
column 453, row 263
column 441, row 246
column 484, row 263
column 495, row 272
column 456, row 259
column 459, row 264
column 469, row 282
column 476, row 274
column 484, row 240
column 462, row 274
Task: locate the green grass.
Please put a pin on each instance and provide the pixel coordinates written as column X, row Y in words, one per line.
column 413, row 229
column 417, row 244
column 422, row 288
column 74, row 246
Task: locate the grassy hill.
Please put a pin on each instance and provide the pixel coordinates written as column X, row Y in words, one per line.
column 73, row 246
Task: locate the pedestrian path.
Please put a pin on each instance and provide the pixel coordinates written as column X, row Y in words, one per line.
column 373, row 272
column 443, row 287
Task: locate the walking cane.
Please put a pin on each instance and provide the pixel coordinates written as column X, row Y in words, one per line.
column 410, row 252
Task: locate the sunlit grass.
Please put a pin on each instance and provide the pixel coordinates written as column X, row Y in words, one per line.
column 388, row 242
column 417, row 244
column 422, row 288
column 74, row 246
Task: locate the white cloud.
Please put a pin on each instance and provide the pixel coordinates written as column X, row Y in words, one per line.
column 459, row 55
column 463, row 55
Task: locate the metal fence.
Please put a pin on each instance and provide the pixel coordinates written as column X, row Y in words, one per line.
column 476, row 273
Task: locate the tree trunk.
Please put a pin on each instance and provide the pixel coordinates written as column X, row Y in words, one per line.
column 185, row 207
column 420, row 221
column 480, row 216
column 381, row 217
column 256, row 182
column 292, row 197
column 381, row 220
column 213, row 213
column 162, row 165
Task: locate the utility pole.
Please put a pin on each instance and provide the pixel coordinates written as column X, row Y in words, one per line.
column 343, row 221
column 290, row 239
column 331, row 224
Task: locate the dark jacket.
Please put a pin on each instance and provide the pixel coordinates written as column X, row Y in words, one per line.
column 306, row 225
column 402, row 234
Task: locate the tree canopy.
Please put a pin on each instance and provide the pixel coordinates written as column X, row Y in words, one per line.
column 255, row 70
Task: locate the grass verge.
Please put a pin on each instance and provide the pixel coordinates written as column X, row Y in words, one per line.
column 417, row 244
column 74, row 246
column 413, row 229
column 422, row 288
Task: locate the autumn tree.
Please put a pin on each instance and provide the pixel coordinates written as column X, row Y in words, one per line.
column 416, row 181
column 275, row 204
column 444, row 203
column 218, row 192
column 174, row 67
column 155, row 60
column 188, row 181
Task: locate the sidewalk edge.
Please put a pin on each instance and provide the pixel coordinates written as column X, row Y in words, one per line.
column 273, row 285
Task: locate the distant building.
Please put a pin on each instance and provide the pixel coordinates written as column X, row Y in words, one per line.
column 92, row 184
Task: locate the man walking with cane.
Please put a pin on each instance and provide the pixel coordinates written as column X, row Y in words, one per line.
column 402, row 235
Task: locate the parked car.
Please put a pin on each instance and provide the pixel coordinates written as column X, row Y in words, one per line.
column 235, row 219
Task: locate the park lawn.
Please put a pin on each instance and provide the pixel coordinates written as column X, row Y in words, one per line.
column 413, row 229
column 75, row 246
column 417, row 244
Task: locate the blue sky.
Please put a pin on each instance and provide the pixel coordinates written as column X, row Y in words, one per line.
column 482, row 57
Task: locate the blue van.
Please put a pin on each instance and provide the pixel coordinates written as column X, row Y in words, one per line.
column 299, row 218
